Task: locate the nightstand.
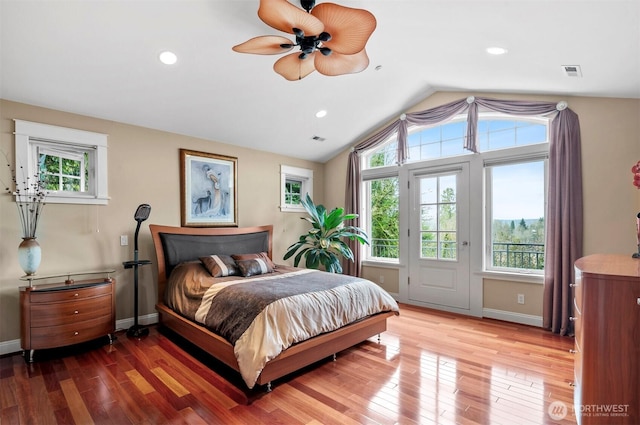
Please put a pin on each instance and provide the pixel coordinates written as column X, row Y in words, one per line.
column 65, row 313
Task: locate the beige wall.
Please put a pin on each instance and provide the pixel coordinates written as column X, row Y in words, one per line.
column 610, row 130
column 143, row 168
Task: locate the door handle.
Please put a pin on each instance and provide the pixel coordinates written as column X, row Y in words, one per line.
column 465, row 243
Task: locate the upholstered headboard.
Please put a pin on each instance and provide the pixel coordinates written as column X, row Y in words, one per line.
column 174, row 245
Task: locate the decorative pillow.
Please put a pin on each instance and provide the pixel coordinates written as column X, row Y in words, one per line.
column 220, row 265
column 260, row 255
column 253, row 267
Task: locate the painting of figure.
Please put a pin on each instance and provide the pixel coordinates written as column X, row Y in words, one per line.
column 208, row 194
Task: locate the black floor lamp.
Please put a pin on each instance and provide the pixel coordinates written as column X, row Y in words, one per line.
column 142, row 213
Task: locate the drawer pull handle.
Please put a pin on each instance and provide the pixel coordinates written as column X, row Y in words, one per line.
column 76, row 294
column 572, row 384
column 76, row 333
column 572, row 319
column 572, row 285
column 572, row 351
column 638, row 301
column 76, row 312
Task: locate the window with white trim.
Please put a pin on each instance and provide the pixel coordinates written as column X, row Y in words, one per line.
column 295, row 184
column 72, row 164
column 514, row 149
column 515, row 201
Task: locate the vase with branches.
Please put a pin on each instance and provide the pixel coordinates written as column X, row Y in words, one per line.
column 30, row 195
column 325, row 244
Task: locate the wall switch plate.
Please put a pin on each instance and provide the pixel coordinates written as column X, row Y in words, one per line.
column 520, row 298
column 124, row 240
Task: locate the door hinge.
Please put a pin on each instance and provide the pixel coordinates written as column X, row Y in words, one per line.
column 408, row 281
column 408, row 233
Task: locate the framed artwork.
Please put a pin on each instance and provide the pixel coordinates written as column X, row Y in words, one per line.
column 208, row 189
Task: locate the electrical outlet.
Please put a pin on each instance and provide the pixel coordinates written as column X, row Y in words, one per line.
column 124, row 240
column 520, row 298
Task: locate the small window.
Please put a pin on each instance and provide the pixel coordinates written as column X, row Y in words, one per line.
column 386, row 155
column 296, row 183
column 71, row 163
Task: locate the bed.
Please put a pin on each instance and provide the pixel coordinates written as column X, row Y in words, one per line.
column 183, row 255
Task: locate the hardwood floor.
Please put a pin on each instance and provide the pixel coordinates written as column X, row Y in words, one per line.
column 430, row 367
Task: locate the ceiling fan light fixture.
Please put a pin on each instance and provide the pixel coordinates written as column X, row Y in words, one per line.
column 339, row 33
column 307, row 4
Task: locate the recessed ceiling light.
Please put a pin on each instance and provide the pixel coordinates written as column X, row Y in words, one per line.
column 168, row 58
column 496, row 50
column 321, row 113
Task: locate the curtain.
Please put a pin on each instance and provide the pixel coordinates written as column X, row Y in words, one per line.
column 564, row 221
column 564, row 207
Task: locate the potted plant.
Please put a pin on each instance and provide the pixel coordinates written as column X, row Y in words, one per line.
column 324, row 243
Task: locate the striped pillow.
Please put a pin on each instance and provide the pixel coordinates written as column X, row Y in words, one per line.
column 260, row 255
column 220, row 265
column 254, row 267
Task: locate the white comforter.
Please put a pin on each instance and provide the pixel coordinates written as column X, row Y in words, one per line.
column 296, row 318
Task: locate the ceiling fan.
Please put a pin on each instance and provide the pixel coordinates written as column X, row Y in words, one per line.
column 331, row 38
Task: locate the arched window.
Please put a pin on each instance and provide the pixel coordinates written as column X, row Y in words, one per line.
column 513, row 151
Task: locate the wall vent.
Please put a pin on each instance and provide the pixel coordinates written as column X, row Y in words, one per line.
column 318, row 138
column 572, row 70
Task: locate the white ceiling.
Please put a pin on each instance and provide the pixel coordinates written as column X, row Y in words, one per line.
column 99, row 58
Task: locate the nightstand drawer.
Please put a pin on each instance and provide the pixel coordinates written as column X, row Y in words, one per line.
column 58, row 314
column 69, row 293
column 70, row 312
column 58, row 336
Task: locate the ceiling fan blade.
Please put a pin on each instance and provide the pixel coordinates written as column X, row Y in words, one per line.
column 349, row 28
column 264, row 45
column 283, row 16
column 338, row 64
column 293, row 68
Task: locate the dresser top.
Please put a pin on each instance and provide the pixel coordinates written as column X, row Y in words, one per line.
column 610, row 265
column 62, row 286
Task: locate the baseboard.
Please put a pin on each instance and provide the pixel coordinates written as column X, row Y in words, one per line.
column 10, row 347
column 13, row 346
column 148, row 319
column 510, row 316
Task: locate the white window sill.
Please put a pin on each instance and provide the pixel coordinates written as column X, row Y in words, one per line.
column 382, row 264
column 299, row 209
column 78, row 199
column 525, row 277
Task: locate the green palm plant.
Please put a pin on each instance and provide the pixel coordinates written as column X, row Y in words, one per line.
column 324, row 243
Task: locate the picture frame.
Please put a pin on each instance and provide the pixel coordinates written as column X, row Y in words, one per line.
column 208, row 189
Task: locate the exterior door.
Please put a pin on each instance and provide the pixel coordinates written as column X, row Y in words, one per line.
column 439, row 235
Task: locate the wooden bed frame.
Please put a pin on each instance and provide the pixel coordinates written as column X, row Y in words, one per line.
column 295, row 357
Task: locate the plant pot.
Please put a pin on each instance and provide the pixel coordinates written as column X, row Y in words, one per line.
column 29, row 255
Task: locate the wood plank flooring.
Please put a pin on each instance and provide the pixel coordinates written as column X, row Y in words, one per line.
column 429, row 368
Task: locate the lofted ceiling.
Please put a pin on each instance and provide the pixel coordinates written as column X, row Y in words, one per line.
column 100, row 58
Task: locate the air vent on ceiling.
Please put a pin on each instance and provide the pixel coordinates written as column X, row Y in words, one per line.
column 572, row 70
column 318, row 138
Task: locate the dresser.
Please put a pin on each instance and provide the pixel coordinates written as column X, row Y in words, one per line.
column 60, row 314
column 607, row 340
